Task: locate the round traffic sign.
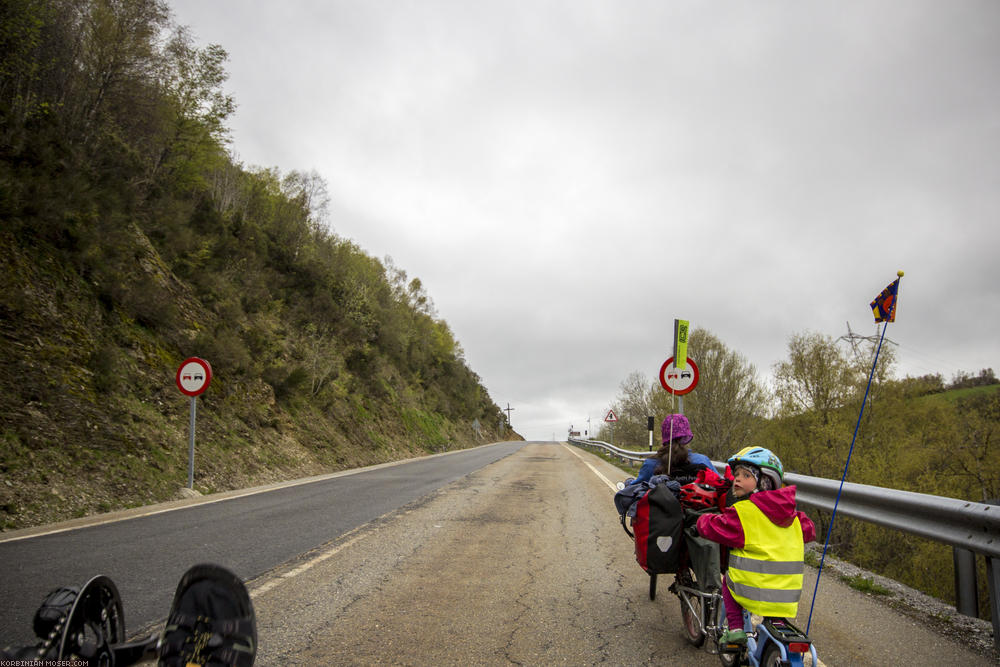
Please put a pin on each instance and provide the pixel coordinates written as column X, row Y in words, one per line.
column 678, row 381
column 193, row 376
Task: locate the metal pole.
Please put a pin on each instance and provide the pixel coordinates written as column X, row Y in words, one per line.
column 194, row 411
column 966, row 592
column 993, row 578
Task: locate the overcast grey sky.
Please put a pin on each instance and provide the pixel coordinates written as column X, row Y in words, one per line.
column 566, row 178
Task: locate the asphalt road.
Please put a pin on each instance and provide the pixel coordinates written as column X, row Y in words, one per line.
column 520, row 563
column 250, row 534
column 524, row 563
column 518, row 560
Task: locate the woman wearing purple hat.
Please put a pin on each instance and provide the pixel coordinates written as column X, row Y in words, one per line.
column 674, row 458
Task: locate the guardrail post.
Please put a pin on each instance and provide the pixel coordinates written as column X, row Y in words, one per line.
column 966, row 591
column 993, row 581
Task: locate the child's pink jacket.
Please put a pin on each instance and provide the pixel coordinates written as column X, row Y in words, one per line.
column 777, row 505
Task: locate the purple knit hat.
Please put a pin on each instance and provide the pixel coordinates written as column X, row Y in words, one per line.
column 681, row 429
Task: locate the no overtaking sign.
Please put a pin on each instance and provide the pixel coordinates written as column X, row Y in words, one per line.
column 193, row 376
column 678, row 381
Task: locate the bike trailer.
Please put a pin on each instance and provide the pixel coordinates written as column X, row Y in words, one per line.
column 658, row 528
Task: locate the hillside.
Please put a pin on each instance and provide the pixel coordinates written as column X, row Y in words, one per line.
column 130, row 239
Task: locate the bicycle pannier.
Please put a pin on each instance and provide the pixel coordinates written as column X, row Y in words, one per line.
column 658, row 528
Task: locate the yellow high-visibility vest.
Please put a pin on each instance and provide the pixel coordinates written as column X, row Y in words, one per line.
column 765, row 576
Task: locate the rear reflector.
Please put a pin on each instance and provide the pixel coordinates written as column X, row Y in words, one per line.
column 798, row 647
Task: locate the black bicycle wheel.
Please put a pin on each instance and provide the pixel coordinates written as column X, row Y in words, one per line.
column 94, row 624
column 772, row 656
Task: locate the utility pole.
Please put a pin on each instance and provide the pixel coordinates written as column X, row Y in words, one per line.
column 853, row 339
column 508, row 411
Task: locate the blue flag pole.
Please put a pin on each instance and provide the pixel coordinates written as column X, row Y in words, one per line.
column 836, row 502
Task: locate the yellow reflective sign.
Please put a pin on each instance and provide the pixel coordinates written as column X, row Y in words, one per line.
column 680, row 343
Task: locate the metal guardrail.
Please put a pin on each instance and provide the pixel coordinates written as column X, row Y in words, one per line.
column 969, row 527
column 960, row 523
column 622, row 453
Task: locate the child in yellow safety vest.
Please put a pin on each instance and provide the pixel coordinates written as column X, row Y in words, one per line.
column 765, row 534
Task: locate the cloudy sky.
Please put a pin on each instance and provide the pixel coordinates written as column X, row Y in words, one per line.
column 568, row 177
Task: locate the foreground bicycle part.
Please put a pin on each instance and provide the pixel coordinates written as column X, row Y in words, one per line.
column 94, row 624
column 88, row 626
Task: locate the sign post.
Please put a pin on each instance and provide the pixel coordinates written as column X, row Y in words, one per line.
column 193, row 377
column 611, row 418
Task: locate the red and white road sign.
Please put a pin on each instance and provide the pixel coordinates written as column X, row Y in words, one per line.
column 678, row 381
column 610, row 417
column 193, row 376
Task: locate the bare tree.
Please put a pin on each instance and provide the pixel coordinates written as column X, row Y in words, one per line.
column 320, row 357
column 309, row 189
column 631, row 408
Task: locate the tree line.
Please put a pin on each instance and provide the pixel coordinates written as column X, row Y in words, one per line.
column 912, row 436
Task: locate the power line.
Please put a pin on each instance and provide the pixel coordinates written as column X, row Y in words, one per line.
column 938, row 365
column 854, row 339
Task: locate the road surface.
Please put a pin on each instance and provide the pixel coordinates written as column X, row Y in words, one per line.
column 520, row 560
column 525, row 563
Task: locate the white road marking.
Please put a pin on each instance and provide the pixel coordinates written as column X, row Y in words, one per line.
column 260, row 590
column 597, row 472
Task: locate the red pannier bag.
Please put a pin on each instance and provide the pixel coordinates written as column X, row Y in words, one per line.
column 658, row 527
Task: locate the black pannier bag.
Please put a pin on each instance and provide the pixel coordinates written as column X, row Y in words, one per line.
column 658, row 526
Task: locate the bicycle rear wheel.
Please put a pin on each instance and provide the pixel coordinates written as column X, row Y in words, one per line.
column 691, row 610
column 772, row 657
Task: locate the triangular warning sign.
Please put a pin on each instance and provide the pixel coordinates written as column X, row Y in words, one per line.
column 610, row 417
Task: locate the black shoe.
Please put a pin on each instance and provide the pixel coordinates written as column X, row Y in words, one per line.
column 211, row 621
